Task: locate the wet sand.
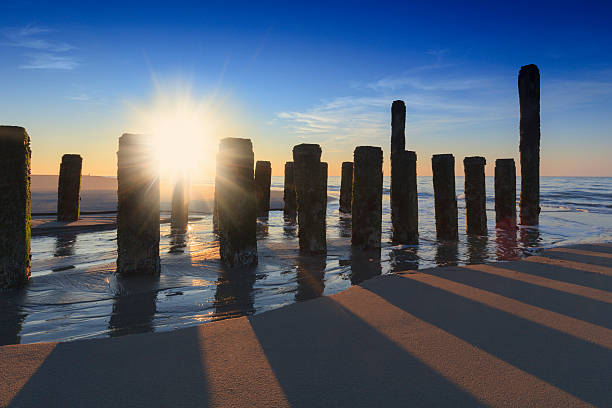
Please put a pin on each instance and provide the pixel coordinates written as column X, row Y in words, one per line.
column 535, row 332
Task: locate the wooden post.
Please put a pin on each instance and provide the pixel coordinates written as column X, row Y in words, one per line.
column 505, row 193
column 529, row 97
column 289, row 197
column 311, row 198
column 346, row 187
column 138, row 207
column 180, row 205
column 263, row 175
column 367, row 197
column 445, row 198
column 14, row 206
column 475, row 195
column 236, row 204
column 69, row 188
column 404, row 198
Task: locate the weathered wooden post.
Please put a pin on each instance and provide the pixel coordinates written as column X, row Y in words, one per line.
column 529, row 98
column 263, row 175
column 404, row 198
column 14, row 206
column 138, row 207
column 505, row 193
column 289, row 197
column 69, row 188
column 236, row 203
column 180, row 205
column 346, row 187
column 445, row 199
column 324, row 183
column 311, row 198
column 475, row 195
column 366, row 227
column 404, row 202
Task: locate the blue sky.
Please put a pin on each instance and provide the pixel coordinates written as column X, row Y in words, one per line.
column 73, row 73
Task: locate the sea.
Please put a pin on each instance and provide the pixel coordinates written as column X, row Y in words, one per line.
column 74, row 293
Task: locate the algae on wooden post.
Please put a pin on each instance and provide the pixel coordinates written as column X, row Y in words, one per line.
column 14, row 206
column 236, row 204
column 529, row 98
column 366, row 226
column 138, row 207
column 311, row 198
column 475, row 195
column 69, row 188
column 445, row 199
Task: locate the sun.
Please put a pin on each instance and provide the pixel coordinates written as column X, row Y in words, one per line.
column 182, row 128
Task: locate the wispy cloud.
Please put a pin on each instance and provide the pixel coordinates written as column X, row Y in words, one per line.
column 43, row 53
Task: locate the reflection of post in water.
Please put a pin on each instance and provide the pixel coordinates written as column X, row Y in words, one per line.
column 344, row 224
column 507, row 245
column 403, row 259
column 64, row 244
column 234, row 294
column 134, row 306
column 447, row 253
column 11, row 317
column 365, row 264
column 477, row 249
column 530, row 237
column 178, row 241
column 310, row 277
column 262, row 227
column 290, row 226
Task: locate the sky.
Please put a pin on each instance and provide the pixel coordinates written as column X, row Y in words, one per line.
column 78, row 74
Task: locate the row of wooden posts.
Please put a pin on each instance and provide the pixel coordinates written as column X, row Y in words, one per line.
column 241, row 194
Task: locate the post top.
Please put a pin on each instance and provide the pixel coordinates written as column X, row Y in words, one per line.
column 530, row 67
column 347, row 164
column 373, row 152
column 474, row 160
column 72, row 157
column 504, row 162
column 263, row 163
column 235, row 143
column 133, row 139
column 442, row 157
column 307, row 148
column 14, row 134
column 398, row 104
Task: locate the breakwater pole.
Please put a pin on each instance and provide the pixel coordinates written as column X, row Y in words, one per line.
column 346, row 187
column 445, row 199
column 180, row 205
column 311, row 198
column 138, row 207
column 289, row 197
column 529, row 98
column 366, row 227
column 505, row 193
column 236, row 203
column 14, row 206
column 475, row 195
column 69, row 188
column 404, row 201
column 263, row 175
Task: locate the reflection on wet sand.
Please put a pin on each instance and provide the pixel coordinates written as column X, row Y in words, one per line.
column 344, row 224
column 234, row 295
column 262, row 227
column 364, row 265
column 289, row 226
column 447, row 253
column 178, row 241
column 11, row 317
column 134, row 305
column 403, row 259
column 64, row 244
column 477, row 249
column 507, row 245
column 310, row 277
column 530, row 237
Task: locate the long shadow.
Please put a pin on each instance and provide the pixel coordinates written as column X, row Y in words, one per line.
column 325, row 356
column 559, row 273
column 403, row 259
column 163, row 370
column 576, row 366
column 134, row 306
column 588, row 259
column 582, row 308
column 365, row 264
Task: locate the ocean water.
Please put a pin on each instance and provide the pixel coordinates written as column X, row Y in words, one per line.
column 74, row 294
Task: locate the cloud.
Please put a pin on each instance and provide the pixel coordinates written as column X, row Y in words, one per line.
column 49, row 54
